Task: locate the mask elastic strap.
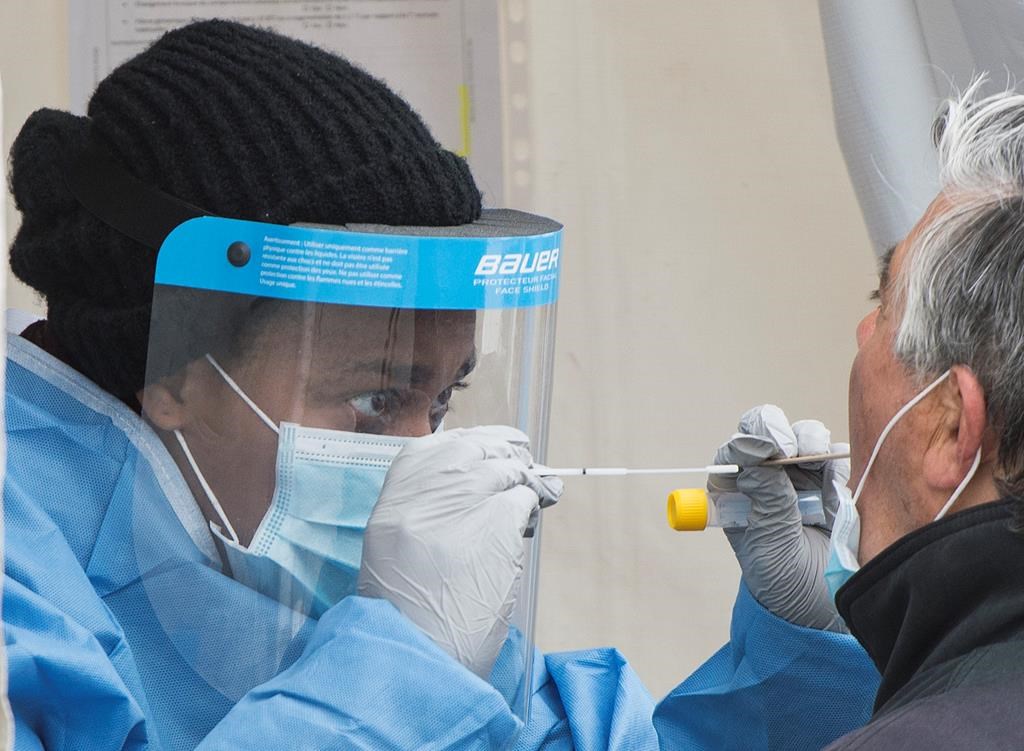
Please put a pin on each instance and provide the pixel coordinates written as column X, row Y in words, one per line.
column 960, row 488
column 206, row 486
column 885, row 431
column 245, row 397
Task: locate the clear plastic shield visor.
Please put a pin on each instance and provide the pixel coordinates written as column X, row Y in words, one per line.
column 287, row 367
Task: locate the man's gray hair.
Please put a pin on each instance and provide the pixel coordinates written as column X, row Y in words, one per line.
column 961, row 284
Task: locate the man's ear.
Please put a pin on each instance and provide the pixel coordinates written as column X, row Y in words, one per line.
column 959, row 432
column 162, row 404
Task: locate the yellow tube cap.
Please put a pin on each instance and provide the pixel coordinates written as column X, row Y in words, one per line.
column 688, row 509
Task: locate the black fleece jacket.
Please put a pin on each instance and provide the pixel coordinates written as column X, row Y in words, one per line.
column 941, row 613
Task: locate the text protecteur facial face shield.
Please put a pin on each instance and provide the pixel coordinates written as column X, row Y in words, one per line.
column 287, row 366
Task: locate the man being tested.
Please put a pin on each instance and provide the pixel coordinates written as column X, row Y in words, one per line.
column 927, row 553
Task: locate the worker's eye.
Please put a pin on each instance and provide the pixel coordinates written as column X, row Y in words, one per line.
column 381, row 403
column 442, row 403
column 446, row 396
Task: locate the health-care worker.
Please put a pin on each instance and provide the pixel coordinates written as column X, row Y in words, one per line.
column 195, row 447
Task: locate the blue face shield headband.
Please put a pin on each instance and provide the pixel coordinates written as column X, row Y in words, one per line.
column 505, row 259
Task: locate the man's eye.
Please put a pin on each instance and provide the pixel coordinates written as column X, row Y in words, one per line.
column 875, row 296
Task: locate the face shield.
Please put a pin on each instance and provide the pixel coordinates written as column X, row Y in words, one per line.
column 287, row 366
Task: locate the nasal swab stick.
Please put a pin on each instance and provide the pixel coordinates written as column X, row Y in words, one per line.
column 711, row 469
column 805, row 459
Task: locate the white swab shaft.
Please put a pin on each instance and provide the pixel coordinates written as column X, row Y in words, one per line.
column 622, row 471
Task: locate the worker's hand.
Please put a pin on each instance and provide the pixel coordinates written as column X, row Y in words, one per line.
column 783, row 561
column 445, row 541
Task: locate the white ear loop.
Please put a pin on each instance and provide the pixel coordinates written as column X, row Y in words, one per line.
column 206, row 487
column 885, row 431
column 245, row 397
column 960, row 488
column 192, row 461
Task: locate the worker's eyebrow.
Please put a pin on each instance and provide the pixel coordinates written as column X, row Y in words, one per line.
column 884, row 265
column 364, row 372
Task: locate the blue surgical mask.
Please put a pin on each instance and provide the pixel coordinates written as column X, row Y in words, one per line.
column 844, row 545
column 307, row 549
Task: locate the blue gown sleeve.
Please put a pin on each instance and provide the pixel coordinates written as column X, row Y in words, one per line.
column 773, row 686
column 72, row 682
column 370, row 679
column 63, row 686
column 585, row 700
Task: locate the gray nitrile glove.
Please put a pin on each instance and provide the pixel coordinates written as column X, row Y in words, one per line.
column 783, row 561
column 445, row 541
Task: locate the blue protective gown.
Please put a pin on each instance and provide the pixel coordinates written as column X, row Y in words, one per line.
column 122, row 633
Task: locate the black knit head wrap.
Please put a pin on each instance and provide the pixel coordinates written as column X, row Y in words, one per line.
column 240, row 122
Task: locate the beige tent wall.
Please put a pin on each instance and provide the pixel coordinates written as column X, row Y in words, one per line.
column 714, row 259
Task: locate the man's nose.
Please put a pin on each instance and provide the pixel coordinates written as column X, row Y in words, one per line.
column 866, row 327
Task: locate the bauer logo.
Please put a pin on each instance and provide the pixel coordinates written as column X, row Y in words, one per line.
column 513, row 264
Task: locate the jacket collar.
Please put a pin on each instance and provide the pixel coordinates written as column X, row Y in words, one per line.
column 937, row 594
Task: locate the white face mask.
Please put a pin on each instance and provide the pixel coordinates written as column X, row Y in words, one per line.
column 307, row 549
column 845, row 542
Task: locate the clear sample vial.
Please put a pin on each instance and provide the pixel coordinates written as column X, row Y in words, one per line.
column 691, row 509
